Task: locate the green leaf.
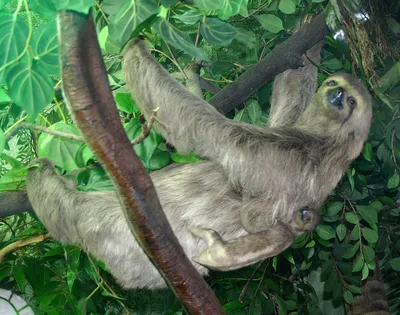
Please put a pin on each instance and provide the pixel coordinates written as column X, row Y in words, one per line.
column 125, row 102
column 178, row 39
column 369, row 253
column 365, row 272
column 254, row 110
column 4, row 98
column 209, row 5
column 45, row 8
column 270, row 22
column 19, row 275
column 333, row 64
column 179, row 158
column 367, row 151
column 351, row 251
column 45, row 47
column 246, row 37
column 355, row 233
column 217, row 32
column 348, row 297
column 189, row 17
column 395, row 263
column 287, row 6
column 341, row 231
column 351, row 217
column 2, row 141
column 126, row 16
column 393, row 181
column 354, row 289
column 229, row 8
column 14, row 33
column 81, row 6
column 325, row 232
column 370, row 235
column 71, row 276
column 368, row 214
column 30, row 87
column 60, row 150
column 333, row 208
column 358, row 263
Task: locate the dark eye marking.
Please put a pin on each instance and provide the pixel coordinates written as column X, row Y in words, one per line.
column 331, row 83
column 352, row 102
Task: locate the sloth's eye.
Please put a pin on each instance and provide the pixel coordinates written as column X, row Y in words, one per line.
column 332, row 83
column 351, row 101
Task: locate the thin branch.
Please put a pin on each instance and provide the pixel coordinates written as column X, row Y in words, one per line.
column 25, row 125
column 21, row 243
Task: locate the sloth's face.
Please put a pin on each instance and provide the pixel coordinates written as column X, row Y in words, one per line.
column 346, row 105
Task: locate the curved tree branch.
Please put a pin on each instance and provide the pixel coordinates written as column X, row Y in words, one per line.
column 285, row 56
column 91, row 102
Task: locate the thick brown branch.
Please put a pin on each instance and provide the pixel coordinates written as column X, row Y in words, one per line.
column 92, row 104
column 285, row 56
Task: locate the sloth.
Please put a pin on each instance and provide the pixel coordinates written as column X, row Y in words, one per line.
column 253, row 193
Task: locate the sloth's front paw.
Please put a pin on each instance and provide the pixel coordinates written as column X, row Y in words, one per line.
column 216, row 256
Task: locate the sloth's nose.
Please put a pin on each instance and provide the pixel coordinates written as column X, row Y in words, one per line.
column 335, row 97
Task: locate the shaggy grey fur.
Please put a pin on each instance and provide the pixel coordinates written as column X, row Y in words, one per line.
column 244, row 200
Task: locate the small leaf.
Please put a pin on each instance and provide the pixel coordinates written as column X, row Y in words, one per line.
column 354, row 289
column 333, row 208
column 348, row 297
column 125, row 102
column 217, row 32
column 365, row 272
column 325, row 232
column 351, row 251
column 270, row 22
column 355, row 233
column 368, row 214
column 19, row 275
column 333, row 64
column 395, row 263
column 255, row 111
column 358, row 263
column 369, row 253
column 287, row 6
column 351, row 217
column 370, row 235
column 341, row 231
column 393, row 181
column 178, row 39
column 189, row 17
column 367, row 151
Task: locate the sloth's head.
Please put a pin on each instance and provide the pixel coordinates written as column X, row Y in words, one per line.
column 340, row 108
column 306, row 219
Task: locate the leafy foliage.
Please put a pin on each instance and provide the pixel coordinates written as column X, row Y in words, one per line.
column 319, row 273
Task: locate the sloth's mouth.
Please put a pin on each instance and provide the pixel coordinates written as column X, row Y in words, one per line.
column 335, row 97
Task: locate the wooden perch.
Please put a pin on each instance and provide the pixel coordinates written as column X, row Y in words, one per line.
column 92, row 105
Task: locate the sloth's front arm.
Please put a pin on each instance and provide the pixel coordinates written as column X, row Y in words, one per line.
column 246, row 250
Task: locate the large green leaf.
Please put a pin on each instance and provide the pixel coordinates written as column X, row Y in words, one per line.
column 229, row 8
column 217, row 32
column 60, row 150
column 46, row 8
column 178, row 39
column 270, row 22
column 45, row 47
column 14, row 32
column 209, row 5
column 30, row 87
column 126, row 16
